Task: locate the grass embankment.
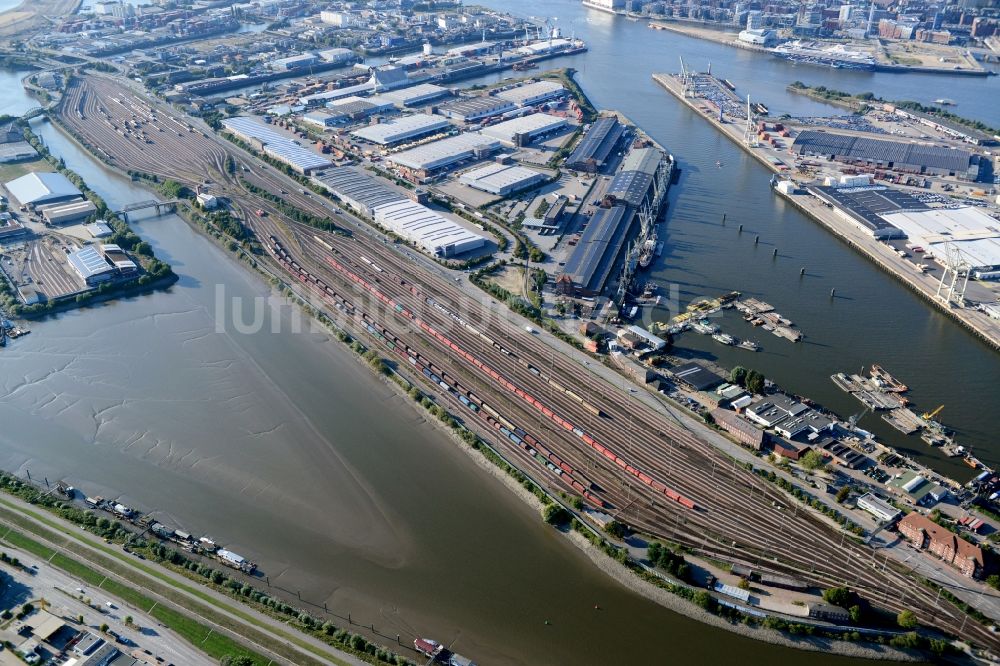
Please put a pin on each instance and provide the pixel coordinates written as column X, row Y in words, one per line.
column 858, row 101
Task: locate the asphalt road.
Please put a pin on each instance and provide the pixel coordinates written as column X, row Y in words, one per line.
column 69, row 598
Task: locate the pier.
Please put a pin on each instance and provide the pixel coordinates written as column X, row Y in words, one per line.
column 977, row 322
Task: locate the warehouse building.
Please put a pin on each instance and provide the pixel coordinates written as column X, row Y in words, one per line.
column 472, row 109
column 894, row 155
column 633, row 184
column 355, row 188
column 323, row 119
column 879, row 508
column 9, row 227
column 968, row 232
column 15, row 151
column 117, row 257
column 416, row 95
column 438, row 155
column 64, row 213
column 427, row 229
column 401, row 129
column 338, row 56
column 531, row 94
column 275, row 145
column 597, row 144
column 526, row 129
column 590, row 264
column 294, row 62
column 37, row 188
column 361, row 107
column 91, row 265
column 502, row 179
column 864, row 206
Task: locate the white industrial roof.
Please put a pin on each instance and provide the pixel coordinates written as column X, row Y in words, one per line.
column 969, row 231
column 88, row 262
column 440, row 153
column 498, row 177
column 426, row 228
column 39, row 187
column 525, row 94
column 339, row 93
column 532, row 124
column 401, row 129
column 276, row 144
column 416, row 94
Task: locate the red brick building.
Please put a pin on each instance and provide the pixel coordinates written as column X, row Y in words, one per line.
column 927, row 534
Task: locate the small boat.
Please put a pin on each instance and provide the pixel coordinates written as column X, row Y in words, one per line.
column 704, row 327
column 944, row 101
column 427, row 647
column 749, row 344
column 724, row 338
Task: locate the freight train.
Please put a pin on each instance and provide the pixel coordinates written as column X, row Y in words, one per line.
column 500, row 379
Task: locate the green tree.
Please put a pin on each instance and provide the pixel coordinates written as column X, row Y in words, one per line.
column 104, row 627
column 616, row 529
column 855, row 612
column 993, row 581
column 906, row 619
column 838, row 596
column 813, row 460
column 843, row 493
column 755, row 382
column 128, row 620
column 555, row 514
column 704, row 599
column 237, row 660
column 738, row 375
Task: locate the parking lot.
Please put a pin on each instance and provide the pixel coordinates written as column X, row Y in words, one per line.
column 144, row 638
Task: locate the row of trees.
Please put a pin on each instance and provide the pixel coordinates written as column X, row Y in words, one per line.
column 751, row 380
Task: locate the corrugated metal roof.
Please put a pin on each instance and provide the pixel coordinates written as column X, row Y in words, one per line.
column 532, row 124
column 597, row 143
column 441, row 153
column 401, row 129
column 881, row 151
column 276, row 144
column 39, row 187
column 359, row 187
column 599, row 245
column 427, row 228
column 531, row 92
column 88, row 262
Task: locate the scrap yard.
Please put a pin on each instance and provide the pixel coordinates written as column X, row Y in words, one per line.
column 590, row 440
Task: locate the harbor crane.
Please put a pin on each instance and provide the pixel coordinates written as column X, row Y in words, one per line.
column 750, row 133
column 960, row 270
column 929, row 416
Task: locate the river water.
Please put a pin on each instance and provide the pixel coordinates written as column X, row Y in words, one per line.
column 283, row 447
column 873, row 319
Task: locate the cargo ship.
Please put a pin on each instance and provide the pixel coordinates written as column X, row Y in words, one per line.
column 836, row 56
column 648, row 251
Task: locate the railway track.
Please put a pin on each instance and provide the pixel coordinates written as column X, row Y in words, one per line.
column 728, row 512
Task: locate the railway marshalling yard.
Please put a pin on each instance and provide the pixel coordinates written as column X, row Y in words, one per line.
column 662, row 475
